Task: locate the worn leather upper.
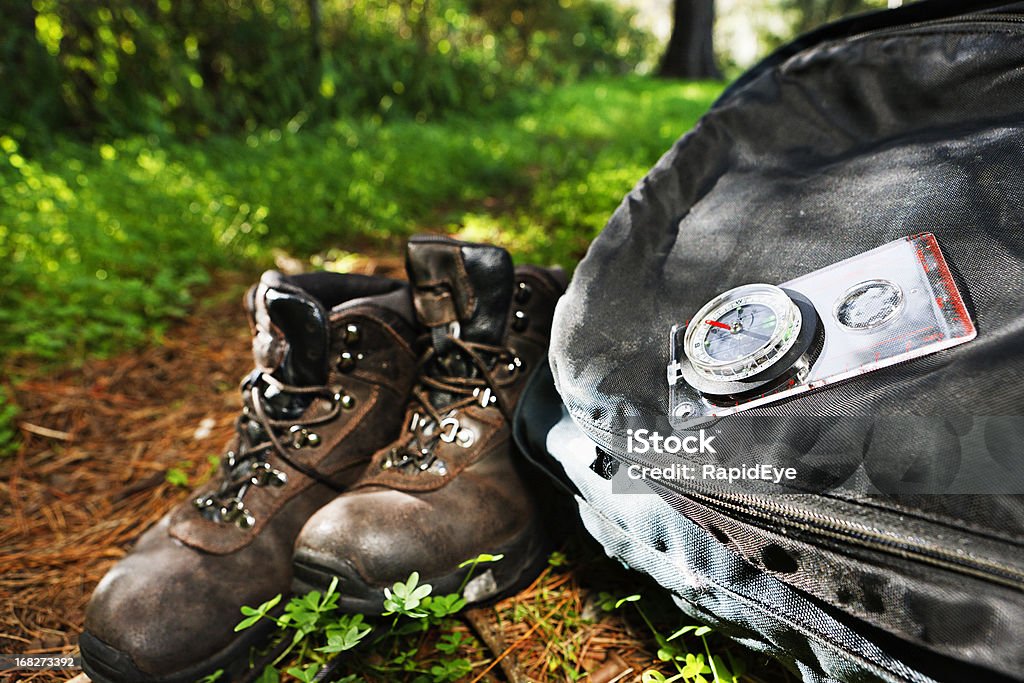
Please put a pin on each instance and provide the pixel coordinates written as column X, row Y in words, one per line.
column 401, row 519
column 205, row 570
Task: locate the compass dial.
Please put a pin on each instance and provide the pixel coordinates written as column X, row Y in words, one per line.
column 749, row 327
column 742, row 333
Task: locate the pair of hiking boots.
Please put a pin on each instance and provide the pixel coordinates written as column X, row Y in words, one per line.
column 374, row 441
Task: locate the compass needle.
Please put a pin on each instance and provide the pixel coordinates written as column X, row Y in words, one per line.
column 742, row 332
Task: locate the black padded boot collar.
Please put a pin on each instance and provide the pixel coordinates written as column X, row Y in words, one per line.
column 290, row 339
column 290, row 318
column 460, row 287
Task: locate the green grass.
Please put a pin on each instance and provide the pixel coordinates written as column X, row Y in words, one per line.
column 419, row 637
column 103, row 244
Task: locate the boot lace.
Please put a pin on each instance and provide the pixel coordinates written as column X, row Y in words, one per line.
column 259, row 436
column 448, row 374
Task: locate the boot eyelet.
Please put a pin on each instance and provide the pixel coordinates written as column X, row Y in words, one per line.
column 346, row 361
column 302, row 437
column 259, row 470
column 351, row 335
column 451, row 427
column 485, row 397
column 465, row 437
column 520, row 321
column 523, row 293
column 347, row 401
column 263, row 474
column 254, row 430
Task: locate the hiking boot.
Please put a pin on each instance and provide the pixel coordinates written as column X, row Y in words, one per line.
column 448, row 489
column 335, row 361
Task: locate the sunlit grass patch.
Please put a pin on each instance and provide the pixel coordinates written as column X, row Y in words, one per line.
column 104, row 243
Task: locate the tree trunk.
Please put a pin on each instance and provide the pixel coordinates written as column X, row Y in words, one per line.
column 315, row 20
column 690, row 53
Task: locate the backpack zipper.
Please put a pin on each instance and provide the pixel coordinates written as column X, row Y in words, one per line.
column 777, row 516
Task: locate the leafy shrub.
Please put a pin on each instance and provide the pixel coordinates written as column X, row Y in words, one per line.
column 566, row 40
column 314, row 634
column 102, row 245
column 195, row 68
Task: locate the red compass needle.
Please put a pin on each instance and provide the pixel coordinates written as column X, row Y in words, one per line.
column 721, row 326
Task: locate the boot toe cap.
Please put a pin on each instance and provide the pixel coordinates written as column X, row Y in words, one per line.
column 373, row 537
column 167, row 607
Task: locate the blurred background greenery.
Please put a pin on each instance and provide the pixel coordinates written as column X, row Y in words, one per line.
column 146, row 144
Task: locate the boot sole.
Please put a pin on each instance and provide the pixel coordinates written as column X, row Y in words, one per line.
column 104, row 663
column 525, row 556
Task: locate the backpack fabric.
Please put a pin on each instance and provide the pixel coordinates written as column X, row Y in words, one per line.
column 861, row 133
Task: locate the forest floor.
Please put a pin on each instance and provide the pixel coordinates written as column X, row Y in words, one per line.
column 107, row 448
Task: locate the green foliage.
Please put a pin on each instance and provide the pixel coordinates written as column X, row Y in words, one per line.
column 690, row 666
column 581, row 152
column 315, row 634
column 194, row 68
column 104, row 243
column 557, row 559
column 565, row 40
column 175, row 476
column 344, row 634
column 254, row 614
column 8, row 427
column 404, row 598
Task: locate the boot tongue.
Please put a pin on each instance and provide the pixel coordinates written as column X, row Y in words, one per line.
column 461, row 289
column 291, row 336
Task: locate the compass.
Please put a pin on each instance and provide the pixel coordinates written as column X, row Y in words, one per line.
column 748, row 338
column 759, row 344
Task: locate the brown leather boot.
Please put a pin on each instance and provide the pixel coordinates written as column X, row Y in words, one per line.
column 449, row 488
column 335, row 361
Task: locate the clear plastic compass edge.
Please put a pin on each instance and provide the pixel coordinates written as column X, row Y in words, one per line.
column 932, row 317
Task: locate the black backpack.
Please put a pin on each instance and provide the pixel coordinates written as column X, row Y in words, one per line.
column 897, row 551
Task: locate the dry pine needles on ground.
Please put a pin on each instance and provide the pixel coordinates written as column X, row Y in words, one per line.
column 91, row 475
